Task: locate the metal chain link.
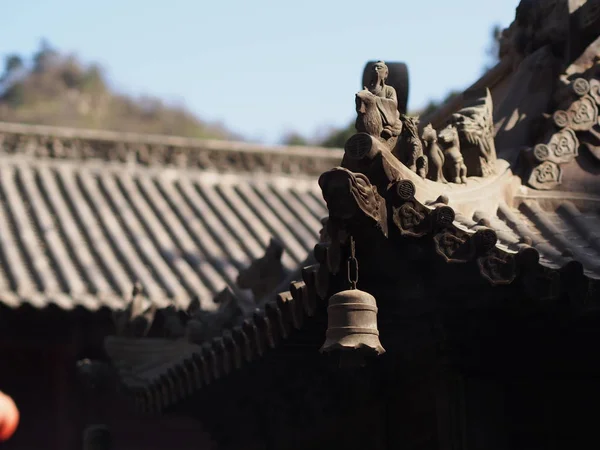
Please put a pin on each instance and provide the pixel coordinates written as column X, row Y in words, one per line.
column 352, row 265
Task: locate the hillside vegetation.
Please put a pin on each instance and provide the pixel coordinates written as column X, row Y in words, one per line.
column 51, row 88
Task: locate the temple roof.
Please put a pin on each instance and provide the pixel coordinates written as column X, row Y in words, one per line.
column 81, row 231
column 511, row 222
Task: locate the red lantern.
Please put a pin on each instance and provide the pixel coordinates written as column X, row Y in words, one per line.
column 9, row 417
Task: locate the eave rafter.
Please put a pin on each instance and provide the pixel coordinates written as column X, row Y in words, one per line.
column 159, row 372
column 456, row 244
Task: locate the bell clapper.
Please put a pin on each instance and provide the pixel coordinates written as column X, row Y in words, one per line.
column 352, row 265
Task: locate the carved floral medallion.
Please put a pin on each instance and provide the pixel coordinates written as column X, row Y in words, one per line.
column 545, row 176
column 561, row 148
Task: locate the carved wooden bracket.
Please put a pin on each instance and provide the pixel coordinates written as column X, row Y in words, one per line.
column 498, row 267
column 411, row 219
column 347, row 193
column 453, row 246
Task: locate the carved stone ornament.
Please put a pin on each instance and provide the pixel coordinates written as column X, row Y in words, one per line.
column 580, row 87
column 435, row 155
column 545, row 176
column 377, row 108
column 365, row 154
column 465, row 148
column 475, row 126
column 595, row 90
column 65, row 143
column 411, row 219
column 498, row 267
column 582, row 115
column 347, row 193
column 264, row 274
column 562, row 148
column 409, row 149
column 453, row 246
column 578, row 121
column 455, row 170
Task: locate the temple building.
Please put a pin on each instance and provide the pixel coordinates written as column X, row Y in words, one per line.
column 453, row 298
column 91, row 221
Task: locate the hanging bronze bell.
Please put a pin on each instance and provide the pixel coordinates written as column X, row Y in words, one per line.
column 352, row 326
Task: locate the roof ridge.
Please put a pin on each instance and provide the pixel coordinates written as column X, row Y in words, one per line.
column 150, row 149
column 209, row 175
column 479, row 242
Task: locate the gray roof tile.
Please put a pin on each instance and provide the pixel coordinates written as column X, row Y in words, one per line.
column 76, row 233
column 560, row 231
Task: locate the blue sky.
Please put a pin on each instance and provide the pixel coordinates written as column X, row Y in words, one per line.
column 263, row 67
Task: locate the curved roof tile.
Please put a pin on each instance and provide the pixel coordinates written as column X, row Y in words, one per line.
column 81, row 234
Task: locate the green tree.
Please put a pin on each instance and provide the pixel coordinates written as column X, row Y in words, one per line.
column 294, row 138
column 45, row 57
column 10, row 90
column 59, row 89
column 92, row 79
column 12, row 65
column 338, row 138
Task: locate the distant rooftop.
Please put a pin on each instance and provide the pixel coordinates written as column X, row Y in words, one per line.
column 80, row 226
column 223, row 156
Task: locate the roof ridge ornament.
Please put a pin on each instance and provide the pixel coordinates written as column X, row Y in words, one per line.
column 57, row 143
column 465, row 147
column 573, row 126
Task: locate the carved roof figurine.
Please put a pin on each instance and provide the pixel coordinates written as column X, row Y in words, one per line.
column 483, row 289
column 377, row 107
column 136, row 318
column 264, row 274
column 409, row 149
column 397, row 78
column 475, row 126
column 435, row 155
